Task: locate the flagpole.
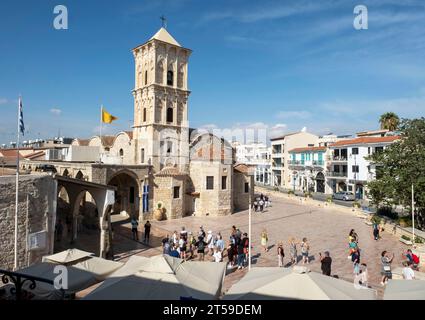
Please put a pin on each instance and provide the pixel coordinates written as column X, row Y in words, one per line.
column 100, row 136
column 17, row 186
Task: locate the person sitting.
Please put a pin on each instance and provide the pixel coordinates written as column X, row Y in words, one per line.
column 412, row 258
column 408, row 273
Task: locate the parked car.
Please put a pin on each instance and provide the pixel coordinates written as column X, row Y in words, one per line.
column 344, row 195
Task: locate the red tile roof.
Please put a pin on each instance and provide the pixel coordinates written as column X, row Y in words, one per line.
column 35, row 154
column 308, row 149
column 10, row 153
column 365, row 140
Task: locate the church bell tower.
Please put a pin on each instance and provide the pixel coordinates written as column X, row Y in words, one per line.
column 161, row 93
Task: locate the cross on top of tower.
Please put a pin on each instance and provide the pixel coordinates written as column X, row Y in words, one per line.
column 164, row 21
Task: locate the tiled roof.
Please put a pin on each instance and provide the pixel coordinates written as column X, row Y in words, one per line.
column 35, row 154
column 170, row 172
column 308, row 149
column 365, row 140
column 244, row 168
column 108, row 141
column 83, row 142
column 10, row 153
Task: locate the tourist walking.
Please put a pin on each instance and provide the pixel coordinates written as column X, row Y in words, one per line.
column 220, row 243
column 264, row 240
column 202, row 232
column 147, row 231
column 241, row 255
column 280, row 254
column 210, row 242
column 246, row 244
column 293, row 251
column 326, row 263
column 200, row 245
column 182, row 248
column 353, row 237
column 386, row 273
column 376, row 231
column 191, row 241
column 261, row 204
column 134, row 225
column 305, row 247
column 230, row 251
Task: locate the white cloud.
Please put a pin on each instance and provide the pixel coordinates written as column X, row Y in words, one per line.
column 56, row 111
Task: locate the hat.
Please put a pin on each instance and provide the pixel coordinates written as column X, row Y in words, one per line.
column 209, row 232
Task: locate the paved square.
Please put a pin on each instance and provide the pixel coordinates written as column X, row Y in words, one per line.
column 325, row 228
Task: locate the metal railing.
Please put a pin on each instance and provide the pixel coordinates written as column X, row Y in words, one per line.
column 336, row 174
column 19, row 279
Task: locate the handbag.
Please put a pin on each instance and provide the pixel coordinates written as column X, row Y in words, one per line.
column 387, row 268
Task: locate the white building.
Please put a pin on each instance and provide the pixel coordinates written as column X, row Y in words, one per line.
column 259, row 155
column 348, row 169
column 281, row 173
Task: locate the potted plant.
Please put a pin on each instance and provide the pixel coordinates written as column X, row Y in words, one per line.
column 406, row 240
column 159, row 213
column 329, row 200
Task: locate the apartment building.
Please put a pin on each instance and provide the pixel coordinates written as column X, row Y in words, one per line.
column 258, row 155
column 281, row 173
column 348, row 168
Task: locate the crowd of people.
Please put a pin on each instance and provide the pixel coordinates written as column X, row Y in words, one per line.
column 261, row 202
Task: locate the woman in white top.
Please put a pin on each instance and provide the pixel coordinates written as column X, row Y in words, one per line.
column 408, row 273
column 217, row 255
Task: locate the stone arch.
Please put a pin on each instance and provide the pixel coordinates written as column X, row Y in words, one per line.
column 65, row 173
column 86, row 222
column 160, row 71
column 79, row 175
column 127, row 193
column 320, row 182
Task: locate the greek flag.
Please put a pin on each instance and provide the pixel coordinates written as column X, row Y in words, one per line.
column 21, row 118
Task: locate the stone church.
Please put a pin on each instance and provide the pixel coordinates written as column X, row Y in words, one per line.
column 163, row 162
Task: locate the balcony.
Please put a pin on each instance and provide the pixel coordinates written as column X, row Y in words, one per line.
column 335, row 174
column 336, row 158
column 277, row 155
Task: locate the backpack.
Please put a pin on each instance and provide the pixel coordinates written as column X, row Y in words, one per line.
column 415, row 259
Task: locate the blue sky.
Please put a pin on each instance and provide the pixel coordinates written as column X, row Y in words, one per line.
column 280, row 65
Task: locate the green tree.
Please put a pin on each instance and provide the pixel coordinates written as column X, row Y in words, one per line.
column 389, row 121
column 400, row 165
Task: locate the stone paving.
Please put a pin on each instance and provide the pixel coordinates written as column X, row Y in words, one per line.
column 325, row 228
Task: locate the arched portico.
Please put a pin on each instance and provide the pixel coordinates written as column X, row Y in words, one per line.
column 127, row 196
column 103, row 199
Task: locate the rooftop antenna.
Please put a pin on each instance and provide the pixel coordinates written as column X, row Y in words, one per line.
column 164, row 21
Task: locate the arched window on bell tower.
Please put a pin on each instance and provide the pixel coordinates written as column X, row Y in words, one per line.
column 146, row 77
column 170, row 114
column 144, row 114
column 170, row 78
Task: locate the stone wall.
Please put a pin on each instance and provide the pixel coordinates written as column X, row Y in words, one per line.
column 37, row 212
column 164, row 192
column 241, row 198
column 215, row 202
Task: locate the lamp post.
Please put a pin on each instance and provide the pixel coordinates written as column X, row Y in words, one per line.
column 413, row 216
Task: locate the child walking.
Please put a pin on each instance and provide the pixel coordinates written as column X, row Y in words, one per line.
column 264, row 240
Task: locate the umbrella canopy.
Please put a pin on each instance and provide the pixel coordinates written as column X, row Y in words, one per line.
column 77, row 280
column 67, row 256
column 405, row 290
column 276, row 283
column 162, row 277
column 99, row 267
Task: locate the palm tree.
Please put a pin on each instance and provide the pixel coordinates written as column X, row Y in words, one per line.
column 389, row 121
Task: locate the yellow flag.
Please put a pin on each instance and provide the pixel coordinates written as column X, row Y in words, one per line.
column 107, row 117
